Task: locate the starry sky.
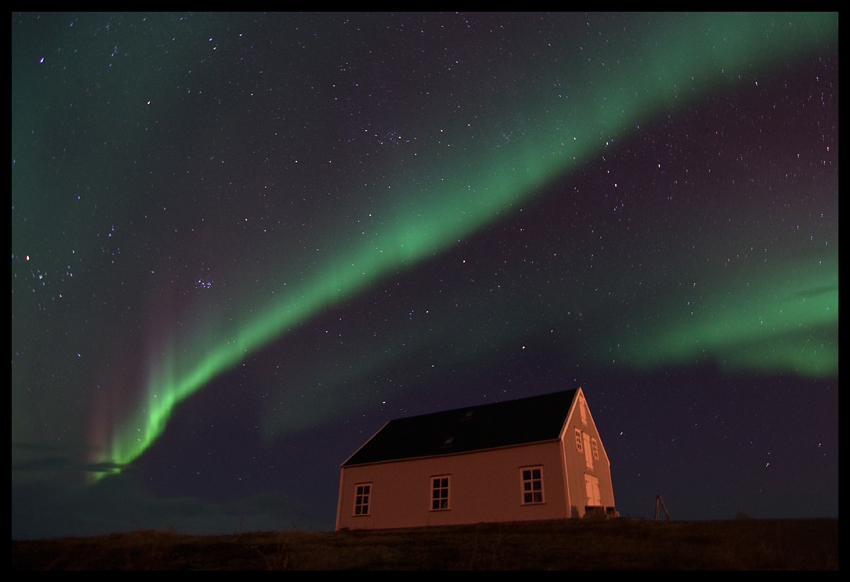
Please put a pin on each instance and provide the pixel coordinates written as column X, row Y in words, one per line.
column 241, row 243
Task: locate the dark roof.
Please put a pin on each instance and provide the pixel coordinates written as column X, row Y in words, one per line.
column 515, row 422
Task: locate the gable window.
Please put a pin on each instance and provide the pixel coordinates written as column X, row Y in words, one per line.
column 578, row 439
column 532, row 485
column 594, row 447
column 440, row 493
column 362, row 493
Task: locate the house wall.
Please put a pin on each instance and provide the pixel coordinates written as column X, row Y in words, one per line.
column 576, row 463
column 485, row 487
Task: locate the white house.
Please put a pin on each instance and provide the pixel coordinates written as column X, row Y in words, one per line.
column 526, row 459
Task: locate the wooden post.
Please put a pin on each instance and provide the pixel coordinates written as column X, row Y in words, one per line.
column 660, row 501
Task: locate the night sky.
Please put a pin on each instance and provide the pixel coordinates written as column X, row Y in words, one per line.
column 241, row 243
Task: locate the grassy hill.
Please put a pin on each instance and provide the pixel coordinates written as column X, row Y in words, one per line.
column 620, row 544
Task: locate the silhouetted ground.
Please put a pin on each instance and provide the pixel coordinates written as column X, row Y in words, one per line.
column 621, row 544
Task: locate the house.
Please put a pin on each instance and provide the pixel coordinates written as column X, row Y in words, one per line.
column 527, row 459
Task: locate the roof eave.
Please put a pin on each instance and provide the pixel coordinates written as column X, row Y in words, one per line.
column 449, row 454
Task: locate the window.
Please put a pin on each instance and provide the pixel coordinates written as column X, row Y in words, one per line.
column 440, row 493
column 532, row 485
column 594, row 447
column 363, row 492
column 578, row 439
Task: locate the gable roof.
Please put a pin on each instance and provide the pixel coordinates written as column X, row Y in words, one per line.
column 515, row 422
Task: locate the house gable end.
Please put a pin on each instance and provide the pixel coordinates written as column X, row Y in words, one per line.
column 566, row 433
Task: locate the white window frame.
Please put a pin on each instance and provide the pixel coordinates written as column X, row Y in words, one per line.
column 527, row 480
column 359, row 502
column 444, row 485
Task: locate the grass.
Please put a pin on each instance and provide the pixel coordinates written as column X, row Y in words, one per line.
column 622, row 544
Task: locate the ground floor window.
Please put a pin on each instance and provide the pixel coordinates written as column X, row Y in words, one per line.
column 440, row 492
column 532, row 485
column 362, row 494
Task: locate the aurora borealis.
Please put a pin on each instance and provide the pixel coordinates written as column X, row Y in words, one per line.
column 261, row 237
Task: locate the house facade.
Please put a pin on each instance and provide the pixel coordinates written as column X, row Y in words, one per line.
column 527, row 459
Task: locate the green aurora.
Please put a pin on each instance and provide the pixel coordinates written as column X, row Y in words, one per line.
column 784, row 314
column 781, row 316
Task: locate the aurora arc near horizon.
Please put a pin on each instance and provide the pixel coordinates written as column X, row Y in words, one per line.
column 717, row 51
